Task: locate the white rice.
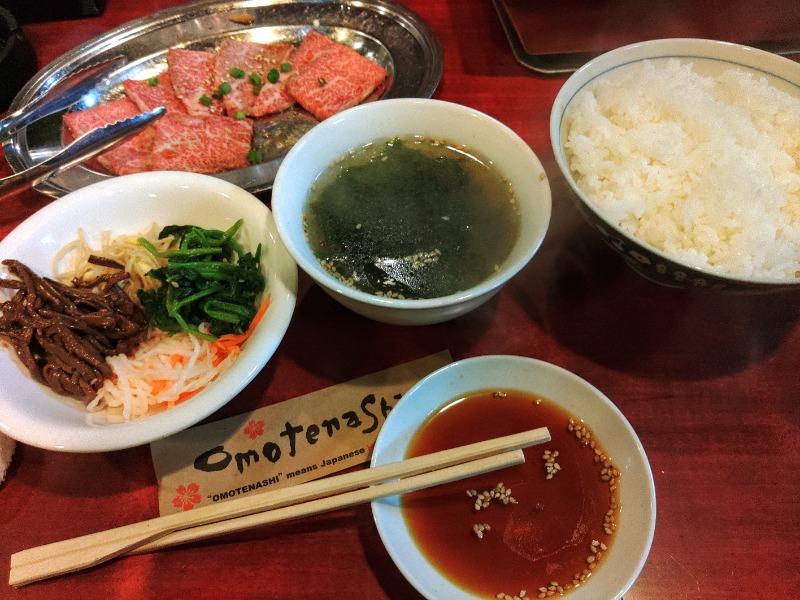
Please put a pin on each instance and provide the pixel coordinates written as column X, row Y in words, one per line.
column 704, row 168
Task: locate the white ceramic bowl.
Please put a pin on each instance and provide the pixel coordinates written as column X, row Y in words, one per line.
column 385, row 119
column 648, row 260
column 32, row 413
column 634, row 535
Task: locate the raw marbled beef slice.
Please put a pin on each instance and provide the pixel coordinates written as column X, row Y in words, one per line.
column 272, row 98
column 132, row 156
column 337, row 78
column 148, row 96
column 192, row 75
column 207, row 144
column 248, row 57
column 308, row 49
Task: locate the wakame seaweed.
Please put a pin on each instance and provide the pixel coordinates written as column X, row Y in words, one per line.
column 412, row 218
column 208, row 278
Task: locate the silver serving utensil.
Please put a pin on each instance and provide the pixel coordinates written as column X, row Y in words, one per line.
column 47, row 104
column 83, row 148
column 256, row 178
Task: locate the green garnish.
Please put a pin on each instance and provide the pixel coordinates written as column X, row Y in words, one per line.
column 205, row 100
column 254, row 156
column 152, row 81
column 237, row 73
column 209, row 278
column 224, row 88
column 239, row 115
column 255, row 79
column 286, row 67
column 273, row 76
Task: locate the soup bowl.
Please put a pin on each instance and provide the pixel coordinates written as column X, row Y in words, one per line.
column 591, row 408
column 705, row 141
column 496, row 144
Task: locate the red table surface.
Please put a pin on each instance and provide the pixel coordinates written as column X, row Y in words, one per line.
column 709, row 381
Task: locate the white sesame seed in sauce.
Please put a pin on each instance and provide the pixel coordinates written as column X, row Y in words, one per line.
column 597, row 544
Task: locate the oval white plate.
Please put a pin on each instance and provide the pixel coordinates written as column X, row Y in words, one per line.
column 32, row 413
column 637, row 490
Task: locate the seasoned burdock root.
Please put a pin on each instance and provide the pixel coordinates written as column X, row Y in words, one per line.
column 63, row 334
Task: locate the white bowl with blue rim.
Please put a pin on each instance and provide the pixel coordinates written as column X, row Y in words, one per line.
column 634, row 536
column 646, row 259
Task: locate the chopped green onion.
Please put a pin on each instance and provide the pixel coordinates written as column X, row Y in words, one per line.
column 286, row 67
column 254, row 156
column 255, row 79
column 273, row 76
column 224, row 88
column 239, row 115
column 237, row 73
column 205, row 100
column 152, row 81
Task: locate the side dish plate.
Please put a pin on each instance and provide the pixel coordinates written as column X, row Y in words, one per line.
column 35, row 415
column 382, row 30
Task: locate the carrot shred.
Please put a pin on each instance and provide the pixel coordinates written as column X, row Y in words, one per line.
column 159, row 385
column 230, row 340
column 185, row 396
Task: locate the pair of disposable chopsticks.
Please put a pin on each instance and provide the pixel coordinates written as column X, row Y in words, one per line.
column 314, row 497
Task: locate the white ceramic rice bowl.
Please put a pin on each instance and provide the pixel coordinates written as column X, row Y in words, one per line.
column 646, row 259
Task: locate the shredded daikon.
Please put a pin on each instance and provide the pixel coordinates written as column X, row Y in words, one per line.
column 72, row 261
column 164, row 371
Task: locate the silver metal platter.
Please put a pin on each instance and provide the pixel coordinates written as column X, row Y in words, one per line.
column 382, row 30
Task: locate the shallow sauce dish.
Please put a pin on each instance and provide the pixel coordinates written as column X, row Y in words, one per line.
column 634, row 535
column 32, row 413
column 382, row 121
column 710, row 58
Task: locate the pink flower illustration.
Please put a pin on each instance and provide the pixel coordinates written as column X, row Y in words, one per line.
column 187, row 496
column 254, row 429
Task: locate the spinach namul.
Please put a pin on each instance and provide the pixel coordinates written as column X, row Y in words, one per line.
column 412, row 218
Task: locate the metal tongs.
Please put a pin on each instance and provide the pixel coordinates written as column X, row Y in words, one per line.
column 48, row 104
column 82, row 148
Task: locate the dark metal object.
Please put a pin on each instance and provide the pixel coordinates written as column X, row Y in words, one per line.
column 554, row 37
column 54, row 10
column 17, row 58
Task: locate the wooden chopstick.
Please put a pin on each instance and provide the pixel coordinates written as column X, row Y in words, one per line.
column 305, row 499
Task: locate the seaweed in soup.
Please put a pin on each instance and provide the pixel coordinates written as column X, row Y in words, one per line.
column 412, row 218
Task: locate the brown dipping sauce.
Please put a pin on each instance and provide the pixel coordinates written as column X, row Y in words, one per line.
column 556, row 533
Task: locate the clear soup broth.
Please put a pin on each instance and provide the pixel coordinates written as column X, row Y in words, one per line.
column 412, row 218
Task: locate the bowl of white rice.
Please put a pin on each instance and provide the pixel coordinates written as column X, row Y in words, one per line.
column 684, row 155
